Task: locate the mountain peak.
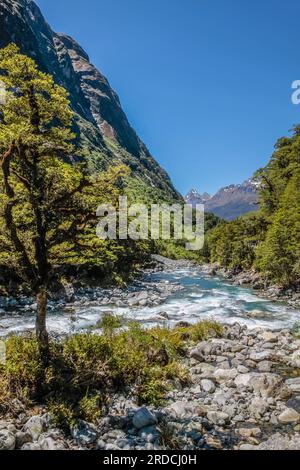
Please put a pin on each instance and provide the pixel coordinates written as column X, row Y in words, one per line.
column 230, row 201
column 194, row 197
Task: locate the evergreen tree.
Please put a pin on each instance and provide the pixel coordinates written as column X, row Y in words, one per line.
column 47, row 205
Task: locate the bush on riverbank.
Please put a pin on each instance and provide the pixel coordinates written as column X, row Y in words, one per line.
column 85, row 368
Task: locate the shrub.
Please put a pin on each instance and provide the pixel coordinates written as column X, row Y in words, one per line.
column 62, row 415
column 110, row 322
column 23, row 368
column 169, row 438
column 90, row 407
column 205, row 329
column 83, row 369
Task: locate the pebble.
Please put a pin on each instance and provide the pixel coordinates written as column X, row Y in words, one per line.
column 7, row 440
column 85, row 433
column 35, row 426
column 143, row 418
column 208, row 386
column 289, row 416
column 224, row 375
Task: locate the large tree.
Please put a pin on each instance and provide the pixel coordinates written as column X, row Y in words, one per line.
column 47, row 205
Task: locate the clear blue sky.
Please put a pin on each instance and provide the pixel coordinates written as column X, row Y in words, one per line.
column 205, row 83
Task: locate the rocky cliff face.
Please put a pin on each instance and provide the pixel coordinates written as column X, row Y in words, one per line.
column 101, row 124
column 229, row 202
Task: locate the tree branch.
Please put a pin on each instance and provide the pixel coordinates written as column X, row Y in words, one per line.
column 8, row 213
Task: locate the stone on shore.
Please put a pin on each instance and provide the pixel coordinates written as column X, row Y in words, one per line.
column 289, row 416
column 143, row 418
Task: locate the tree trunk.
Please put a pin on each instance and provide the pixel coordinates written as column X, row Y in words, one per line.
column 40, row 325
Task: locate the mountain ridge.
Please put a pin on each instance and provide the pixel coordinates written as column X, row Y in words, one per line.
column 230, row 201
column 101, row 125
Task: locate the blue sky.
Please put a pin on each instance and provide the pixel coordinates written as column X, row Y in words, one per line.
column 205, row 83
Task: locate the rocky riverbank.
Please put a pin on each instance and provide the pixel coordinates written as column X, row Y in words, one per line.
column 244, row 393
column 254, row 280
column 167, row 292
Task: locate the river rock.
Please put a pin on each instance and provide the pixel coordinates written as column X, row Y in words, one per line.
column 242, row 369
column 262, row 384
column 224, row 365
column 149, row 434
column 289, row 415
column 243, row 380
column 182, row 409
column 266, row 385
column 279, row 442
column 85, row 433
column 7, row 440
column 295, row 359
column 48, row 443
column 222, row 397
column 7, row 426
column 31, row 446
column 208, row 386
column 258, row 407
column 22, row 438
column 294, row 384
column 213, row 442
column 35, row 426
column 207, row 371
column 294, row 403
column 247, row 447
column 230, row 410
column 143, row 418
column 269, row 337
column 202, row 350
column 261, row 356
column 225, row 375
column 249, row 432
column 112, row 447
column 217, row 417
column 265, row 366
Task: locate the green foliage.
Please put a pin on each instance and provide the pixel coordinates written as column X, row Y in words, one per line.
column 295, row 330
column 176, row 249
column 62, row 415
column 205, row 329
column 90, row 407
column 269, row 240
column 233, row 244
column 153, row 389
column 110, row 322
column 48, row 197
column 23, row 380
column 85, row 368
column 169, row 436
column 279, row 255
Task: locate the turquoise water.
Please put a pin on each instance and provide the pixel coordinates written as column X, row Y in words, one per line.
column 203, row 296
column 211, row 293
column 198, row 297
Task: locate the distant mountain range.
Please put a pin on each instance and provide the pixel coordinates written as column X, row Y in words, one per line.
column 229, row 202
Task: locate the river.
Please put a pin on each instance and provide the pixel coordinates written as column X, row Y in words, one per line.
column 178, row 293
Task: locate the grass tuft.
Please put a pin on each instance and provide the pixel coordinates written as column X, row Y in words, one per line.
column 84, row 369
